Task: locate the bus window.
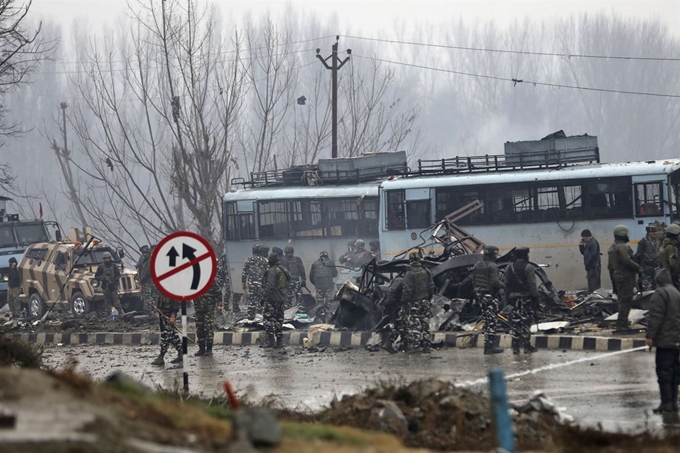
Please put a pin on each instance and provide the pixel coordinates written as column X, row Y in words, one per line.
column 648, row 199
column 305, row 218
column 395, row 210
column 273, row 218
column 239, row 225
column 573, row 202
column 609, row 198
column 450, row 200
column 418, row 214
column 508, row 204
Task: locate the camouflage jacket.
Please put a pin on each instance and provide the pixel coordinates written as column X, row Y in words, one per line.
column 322, row 273
column 362, row 258
column 276, row 284
column 253, row 270
column 418, row 284
column 395, row 295
column 109, row 276
column 295, row 268
column 622, row 265
column 647, row 253
column 668, row 256
column 144, row 269
column 485, row 277
column 167, row 306
column 520, row 279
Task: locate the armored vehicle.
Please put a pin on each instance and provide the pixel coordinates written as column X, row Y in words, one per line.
column 63, row 273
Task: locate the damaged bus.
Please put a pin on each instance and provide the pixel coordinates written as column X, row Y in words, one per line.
column 312, row 208
column 543, row 204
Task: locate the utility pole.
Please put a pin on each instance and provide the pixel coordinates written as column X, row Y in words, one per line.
column 335, row 65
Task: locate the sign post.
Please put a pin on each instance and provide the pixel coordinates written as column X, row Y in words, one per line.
column 183, row 267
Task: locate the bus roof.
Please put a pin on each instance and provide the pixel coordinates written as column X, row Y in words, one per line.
column 292, row 193
column 590, row 171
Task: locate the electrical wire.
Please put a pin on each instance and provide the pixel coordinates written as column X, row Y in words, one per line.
column 516, row 81
column 519, row 52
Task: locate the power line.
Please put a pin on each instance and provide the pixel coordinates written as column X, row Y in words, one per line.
column 516, row 81
column 519, row 52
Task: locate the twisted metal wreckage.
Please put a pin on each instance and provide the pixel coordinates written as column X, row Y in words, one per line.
column 454, row 253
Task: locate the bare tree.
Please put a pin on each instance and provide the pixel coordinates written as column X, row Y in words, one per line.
column 163, row 133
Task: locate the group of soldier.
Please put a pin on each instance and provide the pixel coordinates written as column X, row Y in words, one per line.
column 658, row 250
column 273, row 282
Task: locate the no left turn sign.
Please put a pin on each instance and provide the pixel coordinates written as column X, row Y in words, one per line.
column 183, row 266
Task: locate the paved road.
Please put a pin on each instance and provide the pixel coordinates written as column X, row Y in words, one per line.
column 617, row 391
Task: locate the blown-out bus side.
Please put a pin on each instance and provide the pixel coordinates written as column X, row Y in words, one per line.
column 544, row 209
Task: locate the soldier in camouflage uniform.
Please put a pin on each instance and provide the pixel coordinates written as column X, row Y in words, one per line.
column 149, row 291
column 395, row 308
column 669, row 253
column 222, row 284
column 647, row 256
column 205, row 316
column 321, row 275
column 297, row 281
column 109, row 276
column 362, row 256
column 417, row 293
column 487, row 290
column 520, row 283
column 275, row 295
column 622, row 269
column 252, row 278
column 346, row 258
column 169, row 337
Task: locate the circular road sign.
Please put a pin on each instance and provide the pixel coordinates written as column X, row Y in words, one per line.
column 183, row 266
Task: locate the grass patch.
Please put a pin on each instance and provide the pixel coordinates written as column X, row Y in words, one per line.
column 322, row 432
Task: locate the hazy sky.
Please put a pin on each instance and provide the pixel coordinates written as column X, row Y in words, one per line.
column 370, row 16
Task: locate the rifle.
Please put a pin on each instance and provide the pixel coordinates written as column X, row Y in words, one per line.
column 160, row 313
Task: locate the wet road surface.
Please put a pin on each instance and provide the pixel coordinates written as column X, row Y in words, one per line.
column 616, row 391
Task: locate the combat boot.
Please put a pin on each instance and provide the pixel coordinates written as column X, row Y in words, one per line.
column 208, row 349
column 201, row 350
column 666, row 406
column 279, row 343
column 489, row 348
column 177, row 359
column 528, row 349
column 515, row 346
column 426, row 348
column 159, row 361
column 269, row 343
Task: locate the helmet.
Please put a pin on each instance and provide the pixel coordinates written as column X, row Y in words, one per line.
column 621, row 230
column 256, row 247
column 673, row 229
column 324, row 253
column 264, row 248
column 374, row 244
column 350, row 243
column 277, row 250
column 273, row 259
column 144, row 249
column 414, row 255
column 522, row 252
column 651, row 227
column 107, row 255
column 359, row 243
column 490, row 250
column 289, row 249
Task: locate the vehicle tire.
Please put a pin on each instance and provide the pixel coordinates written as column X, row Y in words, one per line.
column 80, row 305
column 36, row 306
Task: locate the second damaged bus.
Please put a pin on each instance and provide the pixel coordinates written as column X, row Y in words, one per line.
column 544, row 207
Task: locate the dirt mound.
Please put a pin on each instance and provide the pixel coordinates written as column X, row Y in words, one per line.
column 19, row 353
column 437, row 415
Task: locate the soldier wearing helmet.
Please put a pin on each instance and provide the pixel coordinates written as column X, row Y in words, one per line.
column 297, row 280
column 417, row 294
column 109, row 276
column 622, row 269
column 485, row 277
column 363, row 256
column 276, row 281
column 13, row 288
column 252, row 278
column 647, row 256
column 669, row 253
column 346, row 258
column 321, row 275
column 520, row 283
